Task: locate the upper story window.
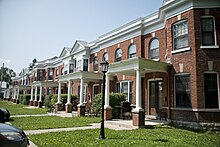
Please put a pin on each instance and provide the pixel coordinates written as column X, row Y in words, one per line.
column 118, row 55
column 85, row 64
column 78, row 65
column 95, row 64
column 208, row 31
column 180, row 35
column 105, row 57
column 51, row 72
column 154, row 49
column 182, row 90
column 71, row 68
column 57, row 71
column 132, row 51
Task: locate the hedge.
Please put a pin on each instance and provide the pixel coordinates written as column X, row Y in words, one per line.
column 115, row 99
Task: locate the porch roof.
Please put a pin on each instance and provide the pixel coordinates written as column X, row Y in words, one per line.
column 87, row 76
column 129, row 67
column 45, row 83
column 23, row 87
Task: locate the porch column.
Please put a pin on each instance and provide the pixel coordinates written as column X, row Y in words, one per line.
column 138, row 112
column 81, row 106
column 35, row 97
column 14, row 95
column 17, row 100
column 59, row 104
column 68, row 104
column 107, row 107
column 40, row 103
column 31, row 100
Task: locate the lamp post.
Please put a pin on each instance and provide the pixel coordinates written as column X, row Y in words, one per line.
column 104, row 69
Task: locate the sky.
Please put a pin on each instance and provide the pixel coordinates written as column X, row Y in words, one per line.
column 41, row 28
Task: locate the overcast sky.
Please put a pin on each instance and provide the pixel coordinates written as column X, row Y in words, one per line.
column 41, row 28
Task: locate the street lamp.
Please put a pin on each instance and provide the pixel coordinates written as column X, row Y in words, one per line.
column 104, row 69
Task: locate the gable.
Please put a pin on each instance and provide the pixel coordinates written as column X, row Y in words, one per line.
column 65, row 52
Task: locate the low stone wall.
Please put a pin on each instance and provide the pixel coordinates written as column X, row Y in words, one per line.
column 215, row 127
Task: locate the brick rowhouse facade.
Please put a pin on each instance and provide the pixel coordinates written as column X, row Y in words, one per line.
column 178, row 64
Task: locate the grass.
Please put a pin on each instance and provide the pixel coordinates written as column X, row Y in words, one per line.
column 49, row 122
column 19, row 109
column 158, row 136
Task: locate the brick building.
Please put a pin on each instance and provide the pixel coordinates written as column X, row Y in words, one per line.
column 167, row 61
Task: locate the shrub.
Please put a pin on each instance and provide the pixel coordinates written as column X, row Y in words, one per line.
column 48, row 104
column 26, row 99
column 115, row 99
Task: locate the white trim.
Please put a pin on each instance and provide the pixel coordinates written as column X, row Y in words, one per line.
column 120, row 90
column 148, row 92
column 215, row 36
column 181, row 50
column 209, row 47
column 217, row 74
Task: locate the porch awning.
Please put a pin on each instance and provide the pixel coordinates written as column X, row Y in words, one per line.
column 87, row 76
column 45, row 83
column 129, row 67
column 23, row 87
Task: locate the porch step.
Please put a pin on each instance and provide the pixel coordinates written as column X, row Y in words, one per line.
column 150, row 117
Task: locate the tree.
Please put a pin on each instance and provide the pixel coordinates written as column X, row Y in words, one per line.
column 6, row 74
column 32, row 64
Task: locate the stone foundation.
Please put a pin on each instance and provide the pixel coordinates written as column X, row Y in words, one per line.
column 40, row 104
column 138, row 118
column 69, row 108
column 58, row 107
column 35, row 103
column 81, row 110
column 31, row 103
column 107, row 113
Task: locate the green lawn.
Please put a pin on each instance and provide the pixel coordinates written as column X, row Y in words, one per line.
column 49, row 122
column 158, row 136
column 19, row 109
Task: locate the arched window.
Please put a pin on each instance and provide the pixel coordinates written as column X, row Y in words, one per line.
column 154, row 49
column 118, row 55
column 95, row 64
column 105, row 57
column 132, row 51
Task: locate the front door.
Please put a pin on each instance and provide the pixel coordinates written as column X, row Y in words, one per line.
column 155, row 97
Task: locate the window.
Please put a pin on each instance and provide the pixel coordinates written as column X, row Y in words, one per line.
column 95, row 64
column 118, row 55
column 154, row 49
column 57, row 71
column 211, row 90
column 180, row 35
column 71, row 68
column 85, row 64
column 132, row 51
column 126, row 87
column 50, row 77
column 182, row 90
column 40, row 75
column 105, row 57
column 207, row 26
column 78, row 65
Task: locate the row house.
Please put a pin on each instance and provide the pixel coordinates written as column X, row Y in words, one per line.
column 165, row 62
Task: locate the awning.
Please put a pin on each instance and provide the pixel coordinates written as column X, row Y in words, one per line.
column 129, row 66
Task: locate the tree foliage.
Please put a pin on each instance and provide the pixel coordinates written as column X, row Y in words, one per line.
column 6, row 74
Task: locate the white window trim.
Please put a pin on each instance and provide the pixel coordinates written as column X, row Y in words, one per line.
column 213, row 72
column 215, row 36
column 181, row 50
column 127, row 81
column 176, row 50
column 178, row 74
column 156, row 59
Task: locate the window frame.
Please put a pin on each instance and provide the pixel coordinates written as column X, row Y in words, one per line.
column 218, row 88
column 185, row 48
column 130, row 91
column 154, row 48
column 95, row 65
column 118, row 59
column 175, row 90
column 103, row 57
column 132, row 55
column 214, row 32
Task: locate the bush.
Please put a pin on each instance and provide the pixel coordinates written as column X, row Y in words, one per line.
column 26, row 99
column 115, row 99
column 48, row 104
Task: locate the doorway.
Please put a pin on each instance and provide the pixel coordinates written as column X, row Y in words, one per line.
column 155, row 97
